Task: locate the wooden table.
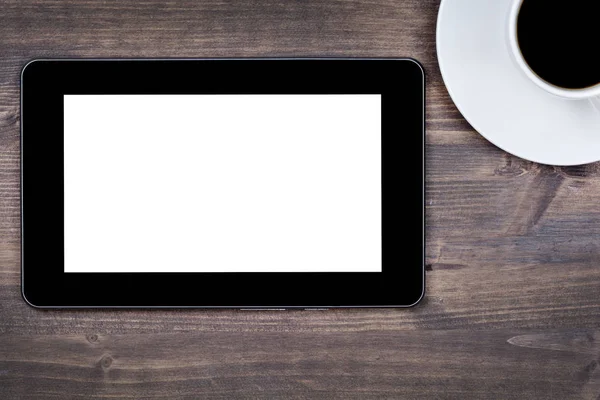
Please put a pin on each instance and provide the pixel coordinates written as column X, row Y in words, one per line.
column 513, row 264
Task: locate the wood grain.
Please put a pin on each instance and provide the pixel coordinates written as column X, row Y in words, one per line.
column 513, row 248
column 370, row 365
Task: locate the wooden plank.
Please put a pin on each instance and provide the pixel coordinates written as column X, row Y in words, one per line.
column 431, row 364
column 510, row 244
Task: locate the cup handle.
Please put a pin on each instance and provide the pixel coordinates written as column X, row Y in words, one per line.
column 595, row 103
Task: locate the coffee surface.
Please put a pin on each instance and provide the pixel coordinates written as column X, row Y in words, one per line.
column 560, row 40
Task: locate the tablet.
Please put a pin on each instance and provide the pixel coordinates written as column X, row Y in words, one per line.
column 222, row 183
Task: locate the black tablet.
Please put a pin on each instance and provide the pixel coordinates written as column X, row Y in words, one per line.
column 238, row 183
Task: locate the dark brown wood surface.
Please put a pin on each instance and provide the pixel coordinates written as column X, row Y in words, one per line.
column 513, row 278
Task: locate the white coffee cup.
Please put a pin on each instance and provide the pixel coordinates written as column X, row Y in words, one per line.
column 591, row 93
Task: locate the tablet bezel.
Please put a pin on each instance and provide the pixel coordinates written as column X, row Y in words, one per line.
column 399, row 81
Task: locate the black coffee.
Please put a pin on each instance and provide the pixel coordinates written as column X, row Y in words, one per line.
column 560, row 40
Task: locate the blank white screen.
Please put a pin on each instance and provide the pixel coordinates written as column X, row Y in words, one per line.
column 222, row 183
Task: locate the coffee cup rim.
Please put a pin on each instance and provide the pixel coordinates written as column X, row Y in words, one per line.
column 583, row 93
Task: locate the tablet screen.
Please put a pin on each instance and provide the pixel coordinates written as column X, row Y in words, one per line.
column 222, row 183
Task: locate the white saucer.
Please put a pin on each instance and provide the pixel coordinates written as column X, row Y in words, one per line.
column 496, row 97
